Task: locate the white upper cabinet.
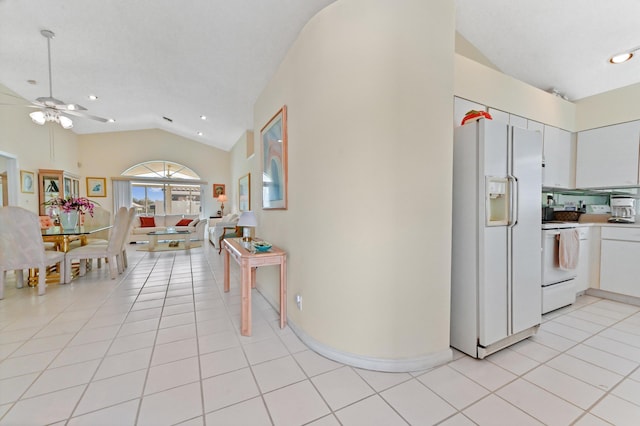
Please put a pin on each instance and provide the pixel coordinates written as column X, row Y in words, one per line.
column 534, row 125
column 608, row 156
column 505, row 117
column 557, row 171
column 517, row 121
column 461, row 107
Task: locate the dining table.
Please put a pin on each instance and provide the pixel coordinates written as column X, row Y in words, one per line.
column 62, row 239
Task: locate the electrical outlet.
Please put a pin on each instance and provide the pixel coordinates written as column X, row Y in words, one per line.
column 299, row 301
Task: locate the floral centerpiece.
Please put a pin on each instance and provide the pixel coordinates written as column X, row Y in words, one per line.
column 79, row 204
column 68, row 209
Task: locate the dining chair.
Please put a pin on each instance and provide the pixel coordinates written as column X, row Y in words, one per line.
column 132, row 218
column 110, row 251
column 122, row 256
column 21, row 247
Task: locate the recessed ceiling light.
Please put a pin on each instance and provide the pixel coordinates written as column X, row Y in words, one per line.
column 111, row 120
column 200, row 133
column 32, row 82
column 203, row 117
column 92, row 97
column 621, row 57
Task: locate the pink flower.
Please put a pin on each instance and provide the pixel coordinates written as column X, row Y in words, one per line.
column 81, row 204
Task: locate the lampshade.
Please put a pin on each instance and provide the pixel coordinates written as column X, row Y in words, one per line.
column 222, row 198
column 247, row 219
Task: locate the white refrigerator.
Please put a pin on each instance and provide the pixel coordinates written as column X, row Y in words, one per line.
column 496, row 294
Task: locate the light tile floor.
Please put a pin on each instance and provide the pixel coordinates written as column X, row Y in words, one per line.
column 161, row 345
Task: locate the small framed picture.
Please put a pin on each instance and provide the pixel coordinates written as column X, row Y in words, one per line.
column 27, row 182
column 96, row 187
column 218, row 189
column 244, row 193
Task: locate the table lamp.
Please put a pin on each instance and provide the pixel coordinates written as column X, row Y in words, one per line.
column 222, row 198
column 247, row 220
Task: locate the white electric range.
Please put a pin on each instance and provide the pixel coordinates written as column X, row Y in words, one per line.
column 558, row 287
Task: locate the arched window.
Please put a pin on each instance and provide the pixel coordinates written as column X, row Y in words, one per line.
column 164, row 187
column 161, row 169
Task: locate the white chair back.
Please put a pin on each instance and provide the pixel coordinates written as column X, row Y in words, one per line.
column 120, row 226
column 21, row 244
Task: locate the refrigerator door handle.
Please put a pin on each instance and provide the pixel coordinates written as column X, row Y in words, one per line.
column 513, row 201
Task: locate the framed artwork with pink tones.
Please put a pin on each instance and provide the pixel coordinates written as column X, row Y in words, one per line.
column 273, row 137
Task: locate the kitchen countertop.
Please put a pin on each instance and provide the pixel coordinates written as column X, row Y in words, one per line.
column 607, row 224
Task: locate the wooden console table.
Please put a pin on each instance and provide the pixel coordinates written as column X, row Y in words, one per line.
column 248, row 262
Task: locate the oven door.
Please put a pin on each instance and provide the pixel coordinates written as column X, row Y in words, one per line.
column 551, row 272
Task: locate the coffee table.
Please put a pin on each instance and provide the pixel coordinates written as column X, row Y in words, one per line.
column 153, row 238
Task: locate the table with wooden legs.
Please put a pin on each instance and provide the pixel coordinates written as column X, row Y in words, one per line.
column 249, row 261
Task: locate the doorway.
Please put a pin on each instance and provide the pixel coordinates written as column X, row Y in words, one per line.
column 9, row 182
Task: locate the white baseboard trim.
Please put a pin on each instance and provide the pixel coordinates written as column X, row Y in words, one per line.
column 403, row 365
column 616, row 297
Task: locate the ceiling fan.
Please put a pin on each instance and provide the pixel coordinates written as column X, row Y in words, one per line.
column 51, row 109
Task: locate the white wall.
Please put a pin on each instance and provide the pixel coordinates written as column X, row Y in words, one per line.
column 240, row 166
column 109, row 154
column 486, row 86
column 617, row 106
column 369, row 90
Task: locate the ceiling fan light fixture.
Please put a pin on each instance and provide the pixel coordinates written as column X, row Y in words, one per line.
column 41, row 117
column 38, row 117
column 65, row 122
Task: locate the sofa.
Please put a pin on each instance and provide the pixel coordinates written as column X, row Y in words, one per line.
column 142, row 225
column 216, row 231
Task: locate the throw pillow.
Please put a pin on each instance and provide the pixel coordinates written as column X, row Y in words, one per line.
column 147, row 222
column 184, row 222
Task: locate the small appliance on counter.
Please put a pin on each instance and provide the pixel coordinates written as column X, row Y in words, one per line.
column 623, row 209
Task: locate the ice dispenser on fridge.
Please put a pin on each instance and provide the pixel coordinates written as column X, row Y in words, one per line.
column 497, row 201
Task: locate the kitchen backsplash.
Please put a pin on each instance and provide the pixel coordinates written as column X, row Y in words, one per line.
column 567, row 199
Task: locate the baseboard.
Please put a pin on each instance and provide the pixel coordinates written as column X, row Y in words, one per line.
column 403, row 365
column 616, row 297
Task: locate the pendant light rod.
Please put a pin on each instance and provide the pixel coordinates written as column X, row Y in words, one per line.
column 49, row 35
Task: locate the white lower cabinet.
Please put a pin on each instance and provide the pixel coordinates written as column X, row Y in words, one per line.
column 620, row 260
column 583, row 278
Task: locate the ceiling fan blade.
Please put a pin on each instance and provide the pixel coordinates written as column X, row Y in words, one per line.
column 50, row 101
column 84, row 115
column 19, row 105
column 75, row 107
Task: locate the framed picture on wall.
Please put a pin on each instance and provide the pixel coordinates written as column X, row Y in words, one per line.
column 67, row 187
column 218, row 189
column 27, row 182
column 273, row 137
column 96, row 187
column 244, row 193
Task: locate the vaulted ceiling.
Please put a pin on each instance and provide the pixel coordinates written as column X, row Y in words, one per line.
column 149, row 59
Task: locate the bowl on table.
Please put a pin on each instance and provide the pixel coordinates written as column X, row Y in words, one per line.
column 262, row 246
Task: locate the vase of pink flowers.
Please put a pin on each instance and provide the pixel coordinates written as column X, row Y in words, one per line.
column 69, row 209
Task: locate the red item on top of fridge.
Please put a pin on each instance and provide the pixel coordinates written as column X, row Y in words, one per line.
column 475, row 115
